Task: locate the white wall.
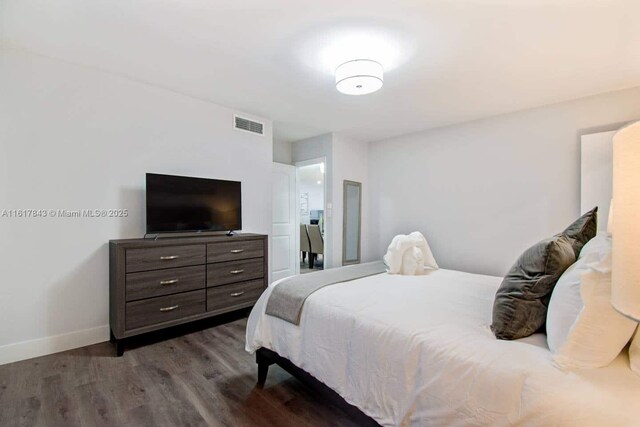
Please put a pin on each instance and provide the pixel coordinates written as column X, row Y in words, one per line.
column 350, row 162
column 71, row 138
column 483, row 191
column 282, row 152
column 312, row 148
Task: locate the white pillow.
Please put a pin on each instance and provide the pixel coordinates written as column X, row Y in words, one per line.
column 599, row 246
column 600, row 332
column 565, row 303
column 634, row 352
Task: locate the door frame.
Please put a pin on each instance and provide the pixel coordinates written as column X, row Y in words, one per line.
column 328, row 222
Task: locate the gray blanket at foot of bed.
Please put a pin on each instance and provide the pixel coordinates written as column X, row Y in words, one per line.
column 288, row 297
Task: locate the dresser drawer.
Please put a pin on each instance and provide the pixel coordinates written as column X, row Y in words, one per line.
column 163, row 309
column 234, row 271
column 154, row 283
column 233, row 295
column 165, row 257
column 230, row 251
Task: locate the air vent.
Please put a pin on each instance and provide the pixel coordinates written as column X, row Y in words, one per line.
column 246, row 125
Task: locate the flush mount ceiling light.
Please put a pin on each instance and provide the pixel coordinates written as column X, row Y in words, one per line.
column 359, row 77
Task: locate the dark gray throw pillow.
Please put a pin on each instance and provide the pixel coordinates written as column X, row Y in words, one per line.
column 582, row 230
column 520, row 306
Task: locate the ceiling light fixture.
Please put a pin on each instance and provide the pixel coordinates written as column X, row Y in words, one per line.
column 359, row 77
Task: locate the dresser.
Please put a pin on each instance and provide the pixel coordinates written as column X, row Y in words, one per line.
column 156, row 284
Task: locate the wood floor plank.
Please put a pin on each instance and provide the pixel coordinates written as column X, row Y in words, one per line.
column 95, row 405
column 58, row 407
column 22, row 412
column 140, row 416
column 200, row 378
column 206, row 399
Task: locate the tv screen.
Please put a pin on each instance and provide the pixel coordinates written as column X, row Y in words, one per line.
column 182, row 204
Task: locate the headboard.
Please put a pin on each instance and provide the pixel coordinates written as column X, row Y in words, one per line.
column 596, row 174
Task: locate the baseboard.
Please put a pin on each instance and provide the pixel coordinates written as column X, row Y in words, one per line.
column 42, row 346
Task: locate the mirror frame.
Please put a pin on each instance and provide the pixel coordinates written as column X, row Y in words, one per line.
column 345, row 185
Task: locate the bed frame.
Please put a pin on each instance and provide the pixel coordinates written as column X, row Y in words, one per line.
column 266, row 358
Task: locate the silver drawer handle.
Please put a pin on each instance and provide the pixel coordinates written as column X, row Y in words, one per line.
column 237, row 294
column 169, row 282
column 236, row 251
column 236, row 271
column 173, row 307
column 169, row 258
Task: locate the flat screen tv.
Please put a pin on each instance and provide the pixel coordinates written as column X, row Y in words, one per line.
column 184, row 204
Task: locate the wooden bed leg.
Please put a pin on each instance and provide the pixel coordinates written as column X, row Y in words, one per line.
column 263, row 367
column 263, row 370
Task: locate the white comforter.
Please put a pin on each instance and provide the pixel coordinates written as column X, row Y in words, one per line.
column 417, row 351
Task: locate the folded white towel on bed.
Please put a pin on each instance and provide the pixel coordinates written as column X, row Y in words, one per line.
column 412, row 262
column 409, row 255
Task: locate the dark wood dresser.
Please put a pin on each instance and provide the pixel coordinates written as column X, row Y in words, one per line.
column 155, row 284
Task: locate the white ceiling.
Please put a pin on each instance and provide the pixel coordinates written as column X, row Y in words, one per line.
column 446, row 61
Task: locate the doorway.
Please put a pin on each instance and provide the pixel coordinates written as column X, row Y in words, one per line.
column 311, row 200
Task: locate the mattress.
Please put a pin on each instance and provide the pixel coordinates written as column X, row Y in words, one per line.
column 417, row 350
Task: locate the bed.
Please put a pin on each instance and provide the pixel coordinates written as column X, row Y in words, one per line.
column 417, row 350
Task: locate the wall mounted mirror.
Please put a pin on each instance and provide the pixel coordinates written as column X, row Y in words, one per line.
column 351, row 219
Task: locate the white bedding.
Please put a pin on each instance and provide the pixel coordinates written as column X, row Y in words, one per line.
column 417, row 350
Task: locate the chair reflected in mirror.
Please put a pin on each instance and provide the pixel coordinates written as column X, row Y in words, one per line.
column 305, row 245
column 317, row 246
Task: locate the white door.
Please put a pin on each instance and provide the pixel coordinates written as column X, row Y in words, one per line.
column 284, row 242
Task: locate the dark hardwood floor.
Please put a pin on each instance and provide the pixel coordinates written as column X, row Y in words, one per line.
column 203, row 377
